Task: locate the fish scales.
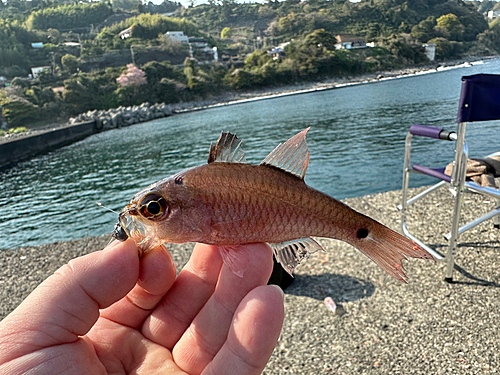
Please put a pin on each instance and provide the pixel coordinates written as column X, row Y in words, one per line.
column 259, row 204
column 228, row 202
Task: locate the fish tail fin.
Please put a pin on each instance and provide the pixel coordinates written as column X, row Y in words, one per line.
column 388, row 248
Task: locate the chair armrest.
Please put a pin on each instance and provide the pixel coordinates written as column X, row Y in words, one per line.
column 432, row 132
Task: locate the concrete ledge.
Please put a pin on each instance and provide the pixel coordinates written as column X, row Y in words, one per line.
column 23, row 148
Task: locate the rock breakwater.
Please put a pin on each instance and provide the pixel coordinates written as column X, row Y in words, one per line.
column 124, row 116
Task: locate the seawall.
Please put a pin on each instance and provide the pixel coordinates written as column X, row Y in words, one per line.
column 23, row 148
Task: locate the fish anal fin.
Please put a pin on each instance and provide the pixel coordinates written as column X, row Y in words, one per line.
column 289, row 254
column 226, row 150
column 291, row 156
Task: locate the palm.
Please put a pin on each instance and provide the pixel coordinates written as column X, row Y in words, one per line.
column 205, row 320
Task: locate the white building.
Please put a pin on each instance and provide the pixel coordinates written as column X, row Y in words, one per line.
column 349, row 41
column 430, row 51
column 38, row 69
column 277, row 52
column 492, row 14
column 127, row 33
column 177, row 36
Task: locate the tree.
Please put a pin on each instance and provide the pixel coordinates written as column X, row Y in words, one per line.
column 257, row 58
column 95, row 90
column 226, row 33
column 17, row 110
column 449, row 27
column 491, row 38
column 133, row 76
column 446, row 49
column 167, row 91
column 190, row 71
column 125, row 4
column 321, row 38
column 165, row 7
column 424, row 30
column 156, row 71
column 54, row 36
column 69, row 16
column 39, row 96
column 69, row 63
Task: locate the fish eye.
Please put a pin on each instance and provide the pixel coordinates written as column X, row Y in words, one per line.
column 153, row 206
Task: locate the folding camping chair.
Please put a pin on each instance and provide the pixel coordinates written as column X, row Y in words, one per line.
column 479, row 101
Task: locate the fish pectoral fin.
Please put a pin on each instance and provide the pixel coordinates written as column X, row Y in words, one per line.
column 234, row 259
column 291, row 156
column 290, row 253
column 226, row 150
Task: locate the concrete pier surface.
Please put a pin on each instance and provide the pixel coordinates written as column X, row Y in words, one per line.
column 381, row 326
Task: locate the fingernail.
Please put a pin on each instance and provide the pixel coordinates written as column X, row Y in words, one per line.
column 111, row 245
column 281, row 290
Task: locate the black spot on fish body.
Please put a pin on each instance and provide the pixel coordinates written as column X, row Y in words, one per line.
column 178, row 180
column 362, row 233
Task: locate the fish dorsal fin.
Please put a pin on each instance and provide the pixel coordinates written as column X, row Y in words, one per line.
column 291, row 156
column 226, row 150
column 289, row 254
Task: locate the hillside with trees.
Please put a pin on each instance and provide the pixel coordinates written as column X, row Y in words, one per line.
column 88, row 46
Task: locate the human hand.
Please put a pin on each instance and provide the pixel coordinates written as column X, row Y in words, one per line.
column 111, row 312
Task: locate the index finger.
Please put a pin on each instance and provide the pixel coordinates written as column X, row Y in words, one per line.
column 191, row 290
column 156, row 276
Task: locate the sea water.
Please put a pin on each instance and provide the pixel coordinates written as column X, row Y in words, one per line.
column 356, row 143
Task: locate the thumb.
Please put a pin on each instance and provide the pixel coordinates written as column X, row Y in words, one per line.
column 67, row 304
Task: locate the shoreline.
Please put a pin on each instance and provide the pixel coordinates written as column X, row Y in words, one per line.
column 385, row 327
column 337, row 83
column 235, row 98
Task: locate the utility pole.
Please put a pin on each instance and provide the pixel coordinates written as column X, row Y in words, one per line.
column 81, row 46
column 53, row 64
column 132, row 54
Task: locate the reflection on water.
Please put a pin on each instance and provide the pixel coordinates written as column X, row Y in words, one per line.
column 356, row 143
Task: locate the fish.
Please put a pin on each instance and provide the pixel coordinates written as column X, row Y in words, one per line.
column 229, row 202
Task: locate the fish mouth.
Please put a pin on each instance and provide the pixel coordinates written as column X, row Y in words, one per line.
column 130, row 223
column 129, row 226
column 130, row 209
column 125, row 226
column 119, row 233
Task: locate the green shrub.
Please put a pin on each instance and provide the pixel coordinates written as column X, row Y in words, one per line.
column 446, row 49
column 17, row 130
column 69, row 63
column 226, row 33
column 69, row 16
column 18, row 110
column 21, row 82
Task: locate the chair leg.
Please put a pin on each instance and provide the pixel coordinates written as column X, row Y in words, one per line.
column 457, row 183
column 452, row 248
column 495, row 214
column 496, row 219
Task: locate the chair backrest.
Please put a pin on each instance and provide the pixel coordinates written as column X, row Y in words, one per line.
column 479, row 98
